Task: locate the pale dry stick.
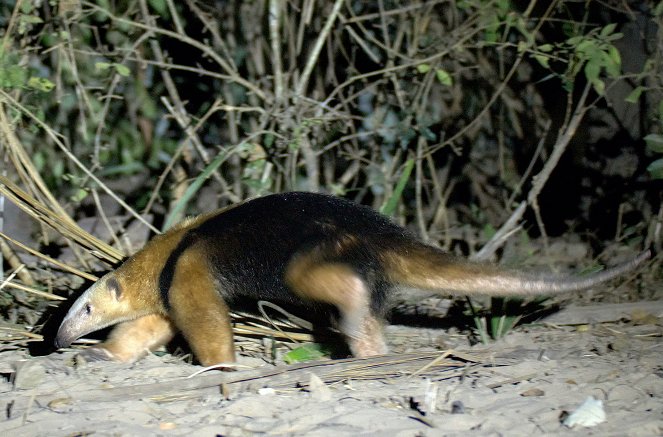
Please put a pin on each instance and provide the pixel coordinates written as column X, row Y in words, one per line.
column 530, row 166
column 305, row 19
column 539, row 180
column 234, row 76
column 24, row 161
column 508, row 229
column 275, row 12
column 432, row 363
column 48, row 259
column 30, row 176
column 176, row 17
column 311, row 163
column 73, row 159
column 105, row 221
column 36, row 292
column 45, row 216
column 13, row 274
column 359, row 40
column 21, row 331
column 261, row 307
column 317, row 47
column 14, row 262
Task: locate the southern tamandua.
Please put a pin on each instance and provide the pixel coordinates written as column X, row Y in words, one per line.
column 309, row 250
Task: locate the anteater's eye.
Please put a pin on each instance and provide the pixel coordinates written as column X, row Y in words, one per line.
column 88, row 309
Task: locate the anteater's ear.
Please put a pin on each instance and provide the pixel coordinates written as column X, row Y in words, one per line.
column 114, row 288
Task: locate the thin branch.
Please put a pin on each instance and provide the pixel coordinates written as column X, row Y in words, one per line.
column 275, row 8
column 317, row 47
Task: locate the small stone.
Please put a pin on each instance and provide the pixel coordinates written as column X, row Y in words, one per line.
column 589, row 413
column 165, row 426
column 533, row 392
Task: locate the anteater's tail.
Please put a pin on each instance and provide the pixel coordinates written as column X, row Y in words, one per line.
column 427, row 268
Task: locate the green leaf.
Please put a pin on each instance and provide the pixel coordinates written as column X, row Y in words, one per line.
column 41, row 84
column 543, row 60
column 614, row 37
column 12, row 76
column 102, row 66
column 503, row 6
column 79, row 195
column 423, row 68
column 658, row 10
column 599, row 86
column 545, row 48
column 159, row 6
column 193, row 189
column 634, row 96
column 655, row 169
column 122, row 70
column 306, row 352
column 522, row 46
column 443, row 77
column 607, row 30
column 31, row 19
column 614, row 66
column 654, row 142
column 575, row 40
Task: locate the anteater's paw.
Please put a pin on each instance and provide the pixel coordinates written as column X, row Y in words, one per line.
column 96, row 353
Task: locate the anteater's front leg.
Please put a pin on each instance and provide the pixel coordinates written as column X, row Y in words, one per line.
column 199, row 311
column 132, row 340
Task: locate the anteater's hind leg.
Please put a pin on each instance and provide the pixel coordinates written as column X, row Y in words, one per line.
column 132, row 340
column 341, row 286
column 199, row 311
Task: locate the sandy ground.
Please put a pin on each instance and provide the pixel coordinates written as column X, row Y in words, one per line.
column 542, row 374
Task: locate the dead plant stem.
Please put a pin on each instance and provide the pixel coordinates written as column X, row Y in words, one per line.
column 539, row 180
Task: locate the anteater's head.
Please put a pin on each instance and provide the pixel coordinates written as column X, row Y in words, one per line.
column 105, row 303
